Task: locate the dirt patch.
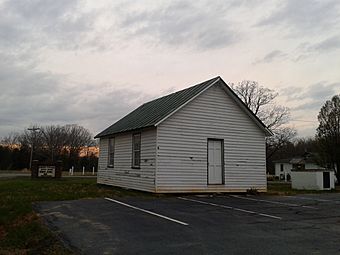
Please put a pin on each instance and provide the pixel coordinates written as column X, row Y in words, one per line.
column 15, row 251
column 2, row 232
column 28, row 218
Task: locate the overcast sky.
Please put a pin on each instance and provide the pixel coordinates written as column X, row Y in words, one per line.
column 91, row 62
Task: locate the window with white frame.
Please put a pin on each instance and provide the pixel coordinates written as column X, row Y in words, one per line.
column 136, row 149
column 111, row 150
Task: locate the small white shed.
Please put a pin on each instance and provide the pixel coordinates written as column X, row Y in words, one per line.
column 316, row 179
column 200, row 139
column 307, row 174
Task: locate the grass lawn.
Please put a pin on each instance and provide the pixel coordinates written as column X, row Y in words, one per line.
column 286, row 189
column 21, row 230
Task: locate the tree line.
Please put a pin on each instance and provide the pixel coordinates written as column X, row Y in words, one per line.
column 55, row 142
column 48, row 144
column 283, row 143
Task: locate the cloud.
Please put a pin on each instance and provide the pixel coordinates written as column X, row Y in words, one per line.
column 181, row 23
column 307, row 49
column 329, row 44
column 71, row 25
column 305, row 17
column 28, row 25
column 271, row 56
column 32, row 97
column 306, row 102
column 311, row 97
column 303, row 51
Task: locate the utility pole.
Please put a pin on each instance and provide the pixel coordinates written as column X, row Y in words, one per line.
column 33, row 129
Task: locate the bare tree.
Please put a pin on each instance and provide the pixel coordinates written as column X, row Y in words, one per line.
column 10, row 140
column 278, row 140
column 77, row 137
column 54, row 140
column 51, row 143
column 28, row 138
column 261, row 101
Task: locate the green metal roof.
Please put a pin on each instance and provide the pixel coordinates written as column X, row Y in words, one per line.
column 150, row 113
column 154, row 112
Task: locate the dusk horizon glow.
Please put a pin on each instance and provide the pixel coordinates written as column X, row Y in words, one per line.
column 80, row 62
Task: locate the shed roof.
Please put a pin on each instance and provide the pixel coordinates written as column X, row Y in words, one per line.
column 284, row 160
column 307, row 157
column 154, row 112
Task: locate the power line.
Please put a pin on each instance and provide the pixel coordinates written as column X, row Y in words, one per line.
column 297, row 120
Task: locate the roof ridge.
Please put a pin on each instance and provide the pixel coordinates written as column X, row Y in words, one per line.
column 156, row 110
column 179, row 91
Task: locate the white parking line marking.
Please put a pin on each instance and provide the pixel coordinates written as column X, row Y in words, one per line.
column 232, row 208
column 146, row 211
column 273, row 202
column 315, row 199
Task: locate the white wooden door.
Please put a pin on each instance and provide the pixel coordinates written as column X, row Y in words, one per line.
column 215, row 173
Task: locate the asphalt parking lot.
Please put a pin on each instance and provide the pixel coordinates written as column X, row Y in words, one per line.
column 225, row 224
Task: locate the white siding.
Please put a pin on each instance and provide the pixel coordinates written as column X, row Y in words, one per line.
column 182, row 146
column 122, row 174
column 305, row 180
column 310, row 180
column 313, row 166
column 287, row 167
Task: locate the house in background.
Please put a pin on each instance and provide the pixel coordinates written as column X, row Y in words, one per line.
column 200, row 139
column 305, row 172
column 283, row 169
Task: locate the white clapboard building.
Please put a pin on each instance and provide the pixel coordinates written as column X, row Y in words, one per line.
column 200, row 139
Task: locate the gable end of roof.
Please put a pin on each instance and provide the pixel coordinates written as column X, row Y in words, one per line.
column 187, row 102
column 153, row 113
column 246, row 109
